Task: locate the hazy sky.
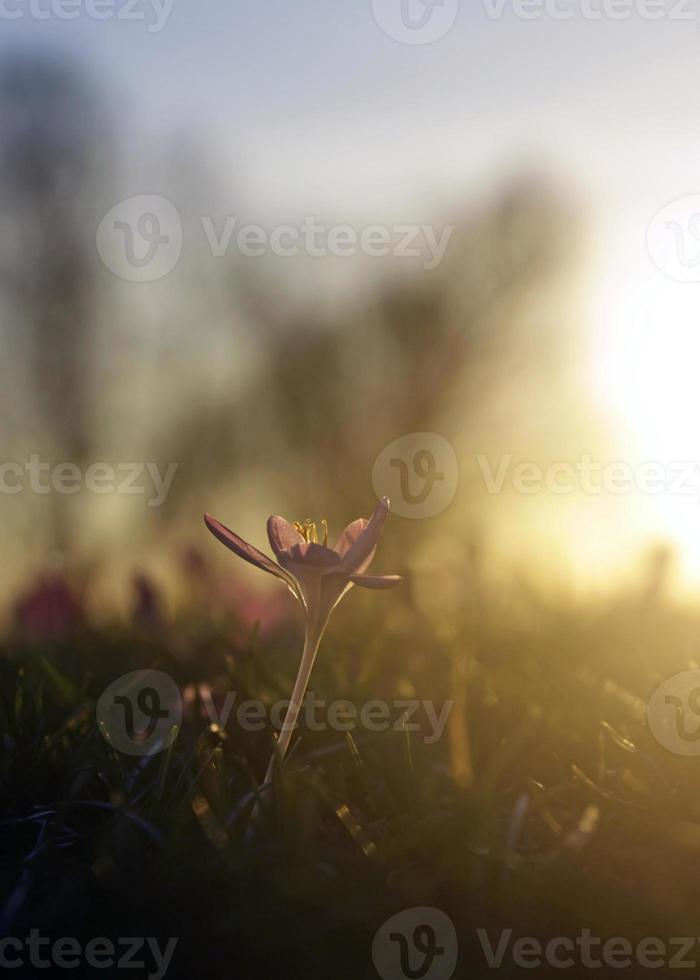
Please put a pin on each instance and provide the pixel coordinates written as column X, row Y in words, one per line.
column 310, row 99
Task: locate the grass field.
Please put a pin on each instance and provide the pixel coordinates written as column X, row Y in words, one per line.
column 573, row 817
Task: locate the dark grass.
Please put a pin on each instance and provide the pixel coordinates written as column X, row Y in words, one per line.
column 576, row 816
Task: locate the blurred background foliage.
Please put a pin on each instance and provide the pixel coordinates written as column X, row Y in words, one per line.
column 272, row 383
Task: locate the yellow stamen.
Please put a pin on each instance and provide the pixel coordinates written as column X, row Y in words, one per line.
column 309, row 533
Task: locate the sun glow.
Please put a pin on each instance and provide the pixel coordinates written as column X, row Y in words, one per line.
column 648, row 379
column 653, row 366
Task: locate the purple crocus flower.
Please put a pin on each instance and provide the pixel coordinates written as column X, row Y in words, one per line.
column 317, row 576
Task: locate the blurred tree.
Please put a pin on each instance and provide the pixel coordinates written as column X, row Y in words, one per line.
column 52, row 149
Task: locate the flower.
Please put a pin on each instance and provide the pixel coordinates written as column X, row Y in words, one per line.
column 317, row 576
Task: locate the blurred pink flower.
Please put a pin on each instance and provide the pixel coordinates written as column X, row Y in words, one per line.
column 49, row 610
column 252, row 607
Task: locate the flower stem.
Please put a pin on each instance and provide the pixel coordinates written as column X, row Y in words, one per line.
column 311, row 643
column 312, row 639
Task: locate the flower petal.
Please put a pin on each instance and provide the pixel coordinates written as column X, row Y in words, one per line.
column 247, row 552
column 350, row 536
column 376, row 581
column 356, row 560
column 311, row 553
column 282, row 535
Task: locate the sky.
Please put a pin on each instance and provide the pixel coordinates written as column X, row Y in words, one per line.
column 360, row 117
